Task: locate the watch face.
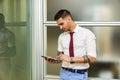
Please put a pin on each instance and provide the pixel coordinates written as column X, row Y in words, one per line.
column 71, row 60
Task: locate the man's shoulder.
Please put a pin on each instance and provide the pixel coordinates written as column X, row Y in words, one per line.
column 85, row 29
column 64, row 33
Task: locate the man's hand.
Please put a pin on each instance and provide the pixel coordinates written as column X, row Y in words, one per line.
column 51, row 60
column 64, row 57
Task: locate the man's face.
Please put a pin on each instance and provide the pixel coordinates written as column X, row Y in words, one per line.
column 63, row 24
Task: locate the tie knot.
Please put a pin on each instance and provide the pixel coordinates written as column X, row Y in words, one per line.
column 71, row 33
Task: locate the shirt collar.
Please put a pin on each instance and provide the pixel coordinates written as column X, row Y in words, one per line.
column 76, row 28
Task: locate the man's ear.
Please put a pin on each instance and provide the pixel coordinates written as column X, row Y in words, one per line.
column 68, row 19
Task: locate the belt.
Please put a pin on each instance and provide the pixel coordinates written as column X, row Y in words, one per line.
column 75, row 70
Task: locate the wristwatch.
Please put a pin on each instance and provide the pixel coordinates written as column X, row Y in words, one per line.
column 71, row 60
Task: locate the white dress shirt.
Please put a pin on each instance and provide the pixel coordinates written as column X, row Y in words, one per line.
column 84, row 44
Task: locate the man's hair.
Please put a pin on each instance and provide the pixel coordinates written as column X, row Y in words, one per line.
column 62, row 14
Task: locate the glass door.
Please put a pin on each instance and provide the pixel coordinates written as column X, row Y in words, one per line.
column 14, row 40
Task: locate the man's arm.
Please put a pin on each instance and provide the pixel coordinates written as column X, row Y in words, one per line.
column 83, row 59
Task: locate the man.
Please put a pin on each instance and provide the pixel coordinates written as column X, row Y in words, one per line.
column 76, row 48
column 7, row 49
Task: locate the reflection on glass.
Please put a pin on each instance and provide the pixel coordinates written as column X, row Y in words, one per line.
column 86, row 10
column 7, row 49
column 21, row 62
column 15, row 17
column 108, row 49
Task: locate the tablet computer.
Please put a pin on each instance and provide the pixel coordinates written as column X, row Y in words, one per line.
column 51, row 59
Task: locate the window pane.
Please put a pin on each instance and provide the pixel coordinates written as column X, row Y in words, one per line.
column 14, row 39
column 14, row 10
column 20, row 63
column 108, row 45
column 52, row 35
column 86, row 10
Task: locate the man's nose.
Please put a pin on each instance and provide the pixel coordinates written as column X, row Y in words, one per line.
column 61, row 27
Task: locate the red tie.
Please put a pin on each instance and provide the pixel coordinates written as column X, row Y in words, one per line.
column 71, row 50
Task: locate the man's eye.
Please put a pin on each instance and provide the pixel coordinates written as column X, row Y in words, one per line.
column 61, row 24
